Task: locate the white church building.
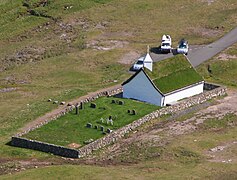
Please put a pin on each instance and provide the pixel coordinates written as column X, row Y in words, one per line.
column 169, row 81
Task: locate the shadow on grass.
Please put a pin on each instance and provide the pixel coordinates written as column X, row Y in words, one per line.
column 9, row 143
column 156, row 50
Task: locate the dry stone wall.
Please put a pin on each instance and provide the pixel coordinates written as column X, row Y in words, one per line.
column 45, row 147
column 115, row 135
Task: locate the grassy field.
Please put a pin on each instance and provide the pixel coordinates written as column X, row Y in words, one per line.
column 222, row 68
column 67, row 69
column 75, row 125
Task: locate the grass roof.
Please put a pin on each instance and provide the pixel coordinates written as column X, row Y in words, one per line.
column 173, row 73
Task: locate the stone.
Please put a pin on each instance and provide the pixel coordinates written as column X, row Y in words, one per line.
column 113, row 101
column 109, row 130
column 102, row 128
column 96, row 127
column 49, row 100
column 82, row 105
column 121, row 102
column 89, row 125
column 88, row 141
column 134, row 112
column 77, row 109
column 129, row 111
column 55, row 102
column 63, row 103
column 93, row 105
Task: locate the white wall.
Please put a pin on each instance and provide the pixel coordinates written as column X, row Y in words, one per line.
column 148, row 62
column 140, row 88
column 186, row 92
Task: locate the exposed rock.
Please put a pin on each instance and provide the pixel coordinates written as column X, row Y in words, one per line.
column 63, row 103
column 3, row 90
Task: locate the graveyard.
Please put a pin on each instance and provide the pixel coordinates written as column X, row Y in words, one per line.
column 91, row 121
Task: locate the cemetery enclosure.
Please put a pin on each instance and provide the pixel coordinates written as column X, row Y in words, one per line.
column 91, row 121
column 117, row 134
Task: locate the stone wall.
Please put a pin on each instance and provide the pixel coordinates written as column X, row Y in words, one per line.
column 45, row 147
column 210, row 86
column 115, row 135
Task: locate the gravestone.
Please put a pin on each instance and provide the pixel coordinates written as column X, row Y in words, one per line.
column 134, row 112
column 113, row 101
column 129, row 111
column 121, row 102
column 81, row 105
column 102, row 128
column 93, row 105
column 77, row 109
column 89, row 125
column 109, row 130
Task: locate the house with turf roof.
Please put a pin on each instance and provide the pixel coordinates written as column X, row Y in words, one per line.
column 170, row 81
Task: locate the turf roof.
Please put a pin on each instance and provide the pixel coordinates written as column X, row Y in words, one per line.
column 173, row 73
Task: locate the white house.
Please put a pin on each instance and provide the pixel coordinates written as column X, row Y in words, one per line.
column 171, row 80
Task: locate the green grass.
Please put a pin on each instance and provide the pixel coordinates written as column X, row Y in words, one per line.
column 71, row 128
column 173, row 73
column 21, row 19
column 69, row 70
column 222, row 71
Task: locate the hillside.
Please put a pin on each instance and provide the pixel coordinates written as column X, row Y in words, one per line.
column 63, row 49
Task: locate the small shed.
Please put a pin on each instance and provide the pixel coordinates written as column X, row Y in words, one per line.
column 170, row 80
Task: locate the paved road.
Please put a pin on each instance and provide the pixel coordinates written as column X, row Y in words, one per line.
column 199, row 54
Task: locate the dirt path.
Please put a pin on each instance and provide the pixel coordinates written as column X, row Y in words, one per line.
column 53, row 113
